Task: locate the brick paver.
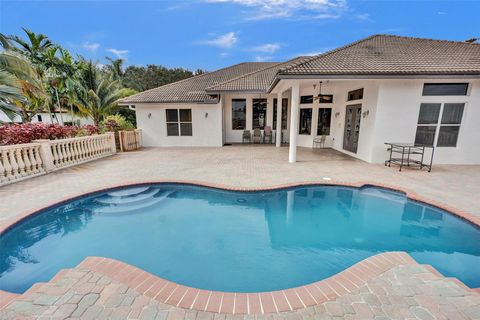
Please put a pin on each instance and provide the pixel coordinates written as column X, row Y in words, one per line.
column 430, row 300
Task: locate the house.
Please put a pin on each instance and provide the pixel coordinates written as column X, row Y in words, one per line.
column 55, row 117
column 379, row 89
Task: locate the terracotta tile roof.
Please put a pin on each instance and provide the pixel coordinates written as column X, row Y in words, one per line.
column 258, row 80
column 393, row 55
column 378, row 55
column 193, row 89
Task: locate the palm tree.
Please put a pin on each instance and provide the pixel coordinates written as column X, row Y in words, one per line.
column 34, row 49
column 101, row 94
column 115, row 68
column 37, row 50
column 23, row 90
column 10, row 92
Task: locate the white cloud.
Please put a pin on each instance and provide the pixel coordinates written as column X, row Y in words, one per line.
column 295, row 9
column 441, row 13
column 118, row 53
column 267, row 48
column 263, row 58
column 313, row 53
column 92, row 47
column 225, row 41
column 363, row 17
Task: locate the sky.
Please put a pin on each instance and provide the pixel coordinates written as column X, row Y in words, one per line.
column 210, row 34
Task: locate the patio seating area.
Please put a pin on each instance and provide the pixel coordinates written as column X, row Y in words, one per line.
column 259, row 137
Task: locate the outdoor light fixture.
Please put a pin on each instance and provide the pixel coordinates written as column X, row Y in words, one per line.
column 337, row 114
column 366, row 113
column 206, row 115
column 149, row 115
column 321, row 97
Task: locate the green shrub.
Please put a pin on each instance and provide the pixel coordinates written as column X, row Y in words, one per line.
column 115, row 123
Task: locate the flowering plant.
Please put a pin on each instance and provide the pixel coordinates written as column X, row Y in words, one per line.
column 27, row 132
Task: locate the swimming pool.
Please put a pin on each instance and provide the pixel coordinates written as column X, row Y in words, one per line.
column 237, row 241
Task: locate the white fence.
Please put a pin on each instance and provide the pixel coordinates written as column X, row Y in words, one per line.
column 130, row 140
column 22, row 161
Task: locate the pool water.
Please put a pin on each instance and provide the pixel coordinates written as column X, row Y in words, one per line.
column 237, row 241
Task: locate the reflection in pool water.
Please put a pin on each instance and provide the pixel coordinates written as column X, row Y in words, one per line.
column 237, row 241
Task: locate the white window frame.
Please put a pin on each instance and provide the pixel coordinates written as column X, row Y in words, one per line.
column 439, row 124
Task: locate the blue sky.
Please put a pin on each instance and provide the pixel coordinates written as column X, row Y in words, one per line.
column 210, row 34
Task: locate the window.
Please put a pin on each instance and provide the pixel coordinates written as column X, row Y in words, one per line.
column 326, row 98
column 179, row 122
column 306, row 99
column 355, row 95
column 259, row 114
column 305, row 121
column 445, row 89
column 448, row 126
column 324, row 119
column 239, row 114
column 39, row 118
column 284, row 113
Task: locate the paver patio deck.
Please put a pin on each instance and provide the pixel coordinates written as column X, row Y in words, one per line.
column 249, row 167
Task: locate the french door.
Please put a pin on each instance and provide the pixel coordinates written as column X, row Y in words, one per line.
column 352, row 127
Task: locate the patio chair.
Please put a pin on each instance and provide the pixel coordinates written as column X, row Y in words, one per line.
column 257, row 135
column 246, row 136
column 319, row 142
column 267, row 135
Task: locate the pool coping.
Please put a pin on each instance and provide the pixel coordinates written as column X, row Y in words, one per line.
column 257, row 303
column 265, row 302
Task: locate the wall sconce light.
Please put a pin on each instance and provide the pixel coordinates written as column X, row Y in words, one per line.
column 365, row 113
column 337, row 114
column 149, row 115
column 206, row 115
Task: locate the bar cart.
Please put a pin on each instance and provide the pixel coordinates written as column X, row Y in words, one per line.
column 409, row 155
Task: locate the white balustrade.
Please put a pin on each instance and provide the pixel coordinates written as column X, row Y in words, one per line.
column 130, row 140
column 22, row 161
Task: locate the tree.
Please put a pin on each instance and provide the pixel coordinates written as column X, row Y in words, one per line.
column 39, row 50
column 10, row 91
column 35, row 49
column 20, row 76
column 115, row 69
column 152, row 76
column 101, row 94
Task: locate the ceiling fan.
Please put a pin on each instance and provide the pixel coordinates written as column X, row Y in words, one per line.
column 320, row 96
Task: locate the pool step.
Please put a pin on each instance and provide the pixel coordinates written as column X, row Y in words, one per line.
column 122, row 208
column 128, row 192
column 128, row 199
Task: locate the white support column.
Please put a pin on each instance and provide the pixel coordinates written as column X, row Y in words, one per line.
column 278, row 134
column 292, row 153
